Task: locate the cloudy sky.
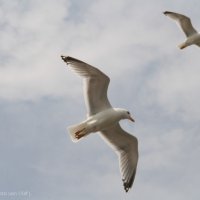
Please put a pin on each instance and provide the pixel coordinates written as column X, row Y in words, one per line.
column 136, row 45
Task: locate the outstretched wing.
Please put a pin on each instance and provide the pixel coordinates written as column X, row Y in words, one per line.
column 184, row 22
column 95, row 85
column 126, row 146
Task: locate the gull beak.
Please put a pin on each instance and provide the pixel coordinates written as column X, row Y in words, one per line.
column 131, row 119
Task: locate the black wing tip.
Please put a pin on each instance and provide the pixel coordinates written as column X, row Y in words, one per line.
column 66, row 58
column 166, row 12
column 128, row 184
column 69, row 59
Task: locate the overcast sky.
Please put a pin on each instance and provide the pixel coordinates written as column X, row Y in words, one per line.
column 136, row 46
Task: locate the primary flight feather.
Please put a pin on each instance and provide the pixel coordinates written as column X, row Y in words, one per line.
column 102, row 117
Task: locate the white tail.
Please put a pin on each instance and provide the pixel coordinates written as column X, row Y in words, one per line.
column 82, row 127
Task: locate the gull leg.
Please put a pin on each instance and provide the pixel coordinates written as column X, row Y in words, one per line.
column 79, row 134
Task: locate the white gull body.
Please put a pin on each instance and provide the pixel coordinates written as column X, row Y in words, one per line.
column 104, row 118
column 193, row 37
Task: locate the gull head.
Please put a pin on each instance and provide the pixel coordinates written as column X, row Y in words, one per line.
column 128, row 116
column 125, row 114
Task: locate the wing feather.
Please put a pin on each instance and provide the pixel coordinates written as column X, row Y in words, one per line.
column 95, row 85
column 184, row 22
column 126, row 146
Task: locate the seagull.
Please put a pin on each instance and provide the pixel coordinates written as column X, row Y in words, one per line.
column 193, row 37
column 103, row 118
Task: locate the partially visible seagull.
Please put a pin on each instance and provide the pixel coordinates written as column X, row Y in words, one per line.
column 193, row 37
column 104, row 118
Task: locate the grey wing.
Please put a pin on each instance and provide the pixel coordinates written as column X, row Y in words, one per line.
column 126, row 146
column 95, row 85
column 198, row 44
column 183, row 21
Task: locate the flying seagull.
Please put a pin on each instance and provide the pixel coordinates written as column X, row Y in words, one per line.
column 193, row 37
column 104, row 118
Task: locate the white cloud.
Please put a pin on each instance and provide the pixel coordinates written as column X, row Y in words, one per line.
column 29, row 46
column 34, row 36
column 136, row 45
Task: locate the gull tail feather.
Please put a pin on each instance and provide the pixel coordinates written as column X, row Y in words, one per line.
column 77, row 128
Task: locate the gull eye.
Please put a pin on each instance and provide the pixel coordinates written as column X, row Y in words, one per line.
column 128, row 113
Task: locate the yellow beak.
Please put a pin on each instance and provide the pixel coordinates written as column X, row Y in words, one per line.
column 131, row 119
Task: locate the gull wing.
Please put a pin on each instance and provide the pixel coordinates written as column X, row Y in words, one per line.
column 126, row 146
column 198, row 44
column 95, row 85
column 184, row 22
